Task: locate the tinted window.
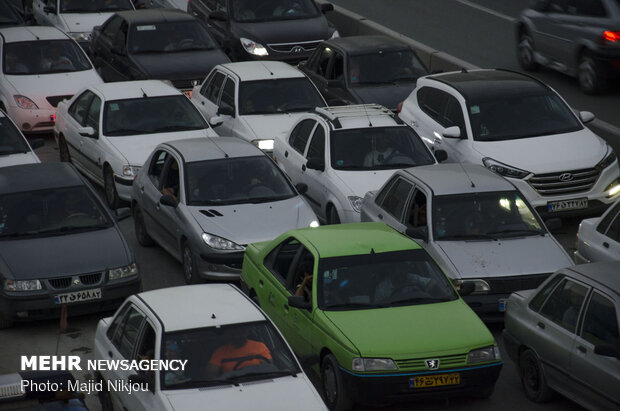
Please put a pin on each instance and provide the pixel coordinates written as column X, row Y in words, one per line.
column 11, row 140
column 113, row 328
column 212, row 92
column 280, row 259
column 92, row 118
column 337, row 69
column 8, row 16
column 94, row 6
column 385, row 67
column 278, row 96
column 300, row 135
column 542, row 295
column 316, row 149
column 253, row 11
column 564, row 304
column 169, row 37
column 397, row 198
column 157, row 166
column 417, row 214
column 433, row 102
column 112, row 27
column 323, row 62
column 228, row 94
column 600, row 324
column 588, row 8
column 453, row 115
column 44, row 57
column 127, row 333
column 79, row 108
column 385, row 190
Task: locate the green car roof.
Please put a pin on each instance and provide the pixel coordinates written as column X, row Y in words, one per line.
column 354, row 239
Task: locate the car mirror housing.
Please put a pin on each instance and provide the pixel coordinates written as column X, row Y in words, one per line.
column 553, row 224
column 418, row 233
column 216, row 121
column 301, row 188
column 452, row 132
column 169, row 201
column 466, row 288
column 87, row 132
column 299, row 301
column 586, row 116
column 122, row 213
column 225, row 111
column 218, row 15
column 441, row 155
column 315, row 163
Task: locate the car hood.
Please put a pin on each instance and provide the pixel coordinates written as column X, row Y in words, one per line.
column 413, row 331
column 547, row 154
column 16, row 159
column 184, row 65
column 90, row 252
column 505, row 257
column 388, row 95
column 265, row 126
column 83, row 22
column 292, row 393
column 284, row 31
column 361, row 182
column 136, row 149
column 252, row 223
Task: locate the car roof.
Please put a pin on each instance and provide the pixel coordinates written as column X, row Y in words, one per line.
column 41, row 176
column 458, row 178
column 367, row 44
column 198, row 306
column 605, row 273
column 32, row 33
column 484, row 84
column 358, row 116
column 135, row 89
column 144, row 16
column 213, row 148
column 263, row 70
column 354, row 239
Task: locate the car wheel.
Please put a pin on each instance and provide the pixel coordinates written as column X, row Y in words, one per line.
column 144, row 239
column 334, row 392
column 525, row 53
column 189, row 265
column 111, row 195
column 63, row 150
column 332, row 215
column 533, row 378
column 587, row 75
column 5, row 323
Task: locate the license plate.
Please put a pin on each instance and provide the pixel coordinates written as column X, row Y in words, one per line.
column 423, row 381
column 502, row 304
column 576, row 204
column 78, row 296
column 188, row 93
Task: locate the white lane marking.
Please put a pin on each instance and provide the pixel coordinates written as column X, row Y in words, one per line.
column 487, row 10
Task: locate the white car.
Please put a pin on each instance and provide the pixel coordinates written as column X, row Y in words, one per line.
column 77, row 17
column 108, row 130
column 258, row 101
column 598, row 239
column 14, row 148
column 41, row 66
column 476, row 225
column 233, row 356
column 343, row 152
column 523, row 130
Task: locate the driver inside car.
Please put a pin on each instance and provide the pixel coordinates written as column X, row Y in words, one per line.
column 239, row 352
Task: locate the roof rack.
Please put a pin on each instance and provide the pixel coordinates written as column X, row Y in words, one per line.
column 335, row 113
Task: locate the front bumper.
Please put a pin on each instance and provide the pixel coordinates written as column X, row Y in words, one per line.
column 388, row 388
column 123, row 187
column 220, row 266
column 33, row 121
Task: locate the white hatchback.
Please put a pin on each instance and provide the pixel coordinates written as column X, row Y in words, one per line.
column 598, row 239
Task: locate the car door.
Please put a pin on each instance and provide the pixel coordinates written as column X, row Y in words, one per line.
column 393, row 204
column 208, row 98
column 149, row 194
column 92, row 147
column 167, row 217
column 318, row 184
column 76, row 118
column 290, row 155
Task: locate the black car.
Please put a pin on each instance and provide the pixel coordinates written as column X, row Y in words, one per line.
column 13, row 13
column 286, row 30
column 580, row 38
column 364, row 69
column 59, row 245
column 158, row 44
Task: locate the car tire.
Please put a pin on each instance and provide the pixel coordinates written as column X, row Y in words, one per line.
column 332, row 215
column 525, row 52
column 104, row 396
column 144, row 239
column 533, row 378
column 63, row 150
column 334, row 391
column 111, row 195
column 589, row 79
column 189, row 266
column 4, row 323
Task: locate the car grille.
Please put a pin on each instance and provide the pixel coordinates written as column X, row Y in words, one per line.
column 447, row 361
column 304, row 46
column 60, row 283
column 90, row 279
column 507, row 285
column 67, row 282
column 567, row 182
column 54, row 100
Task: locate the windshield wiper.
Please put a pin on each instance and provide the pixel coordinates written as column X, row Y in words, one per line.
column 125, row 131
column 71, row 228
column 353, row 305
column 418, row 300
column 468, row 237
column 172, row 128
column 524, row 231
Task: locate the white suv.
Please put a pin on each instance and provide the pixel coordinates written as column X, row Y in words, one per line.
column 342, row 152
column 522, row 129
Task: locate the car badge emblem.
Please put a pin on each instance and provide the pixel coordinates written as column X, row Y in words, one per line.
column 76, row 281
column 566, row 177
column 432, row 364
column 297, row 49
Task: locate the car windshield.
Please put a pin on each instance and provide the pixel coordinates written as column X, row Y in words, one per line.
column 236, row 180
column 150, row 115
column 169, row 37
column 51, row 212
column 43, row 57
column 278, row 96
column 509, row 117
column 378, row 148
column 226, row 355
column 11, row 140
column 385, row 67
column 254, row 11
column 379, row 280
column 94, row 6
column 486, row 216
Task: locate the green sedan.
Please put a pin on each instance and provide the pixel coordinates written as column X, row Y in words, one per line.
column 375, row 311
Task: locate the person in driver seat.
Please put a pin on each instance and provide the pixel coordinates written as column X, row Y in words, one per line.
column 239, row 352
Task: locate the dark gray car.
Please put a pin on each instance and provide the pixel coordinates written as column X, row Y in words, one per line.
column 578, row 37
column 564, row 336
column 59, row 245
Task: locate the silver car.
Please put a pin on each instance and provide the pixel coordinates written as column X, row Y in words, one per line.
column 564, row 336
column 598, row 239
column 205, row 199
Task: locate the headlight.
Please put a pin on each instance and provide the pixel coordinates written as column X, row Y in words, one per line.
column 22, row 285
column 503, row 169
column 25, row 102
column 253, row 47
column 220, row 243
column 313, row 224
column 131, row 171
column 614, row 188
column 610, row 157
column 85, row 36
column 356, row 203
column 373, row 364
column 480, row 286
column 335, row 35
column 483, row 355
column 265, row 145
column 122, row 272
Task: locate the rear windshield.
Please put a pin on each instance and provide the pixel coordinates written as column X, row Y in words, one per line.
column 44, row 57
column 253, row 11
column 278, row 96
column 385, row 67
column 169, row 37
column 94, row 6
column 9, row 16
column 11, row 140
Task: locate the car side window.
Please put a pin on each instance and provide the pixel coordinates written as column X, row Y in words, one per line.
column 433, row 102
column 157, row 166
column 609, row 217
column 453, row 115
column 396, row 199
column 300, row 278
column 336, row 70
column 120, row 41
column 216, row 5
column 564, row 304
column 323, row 62
column 228, row 94
column 212, row 92
column 146, row 345
column 92, row 118
column 170, row 178
column 416, row 216
column 111, row 28
column 117, row 321
column 383, row 193
column 313, row 61
column 600, row 324
column 614, row 229
column 558, row 6
column 127, row 332
column 279, row 260
column 316, row 148
column 587, row 8
column 300, row 135
column 542, row 295
column 79, row 109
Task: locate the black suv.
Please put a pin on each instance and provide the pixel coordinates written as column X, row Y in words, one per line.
column 578, row 37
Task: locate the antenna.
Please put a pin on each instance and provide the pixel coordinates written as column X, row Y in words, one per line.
column 467, row 174
column 143, row 93
column 266, row 68
column 367, row 116
column 219, row 148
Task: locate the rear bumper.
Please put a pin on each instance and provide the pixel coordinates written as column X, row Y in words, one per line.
column 511, row 345
column 608, row 61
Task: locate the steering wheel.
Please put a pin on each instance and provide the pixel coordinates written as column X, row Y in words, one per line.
column 240, row 360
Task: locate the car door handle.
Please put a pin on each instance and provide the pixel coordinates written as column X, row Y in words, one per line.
column 271, row 298
column 582, row 349
column 110, row 354
column 285, row 308
column 606, row 244
column 141, row 189
column 260, row 282
column 541, row 325
column 380, row 216
column 157, row 206
column 303, row 167
column 286, row 153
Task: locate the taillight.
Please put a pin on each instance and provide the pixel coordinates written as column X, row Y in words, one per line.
column 399, row 107
column 611, row 36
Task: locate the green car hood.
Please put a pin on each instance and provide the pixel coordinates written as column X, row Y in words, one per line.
column 439, row 329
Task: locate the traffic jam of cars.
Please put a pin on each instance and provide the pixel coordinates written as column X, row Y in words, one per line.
column 349, row 224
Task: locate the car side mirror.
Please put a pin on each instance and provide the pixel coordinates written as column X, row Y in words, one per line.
column 441, row 155
column 218, row 15
column 325, row 7
column 607, row 350
column 121, row 214
column 216, row 121
column 315, row 163
column 586, row 116
column 169, row 201
column 301, row 188
column 37, row 143
column 553, row 224
column 143, row 380
column 87, row 132
column 299, row 301
column 419, row 233
column 466, row 288
column 336, row 83
column 226, row 111
column 49, row 9
column 452, row 132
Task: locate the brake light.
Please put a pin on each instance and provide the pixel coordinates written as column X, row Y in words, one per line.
column 612, row 36
column 399, row 107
